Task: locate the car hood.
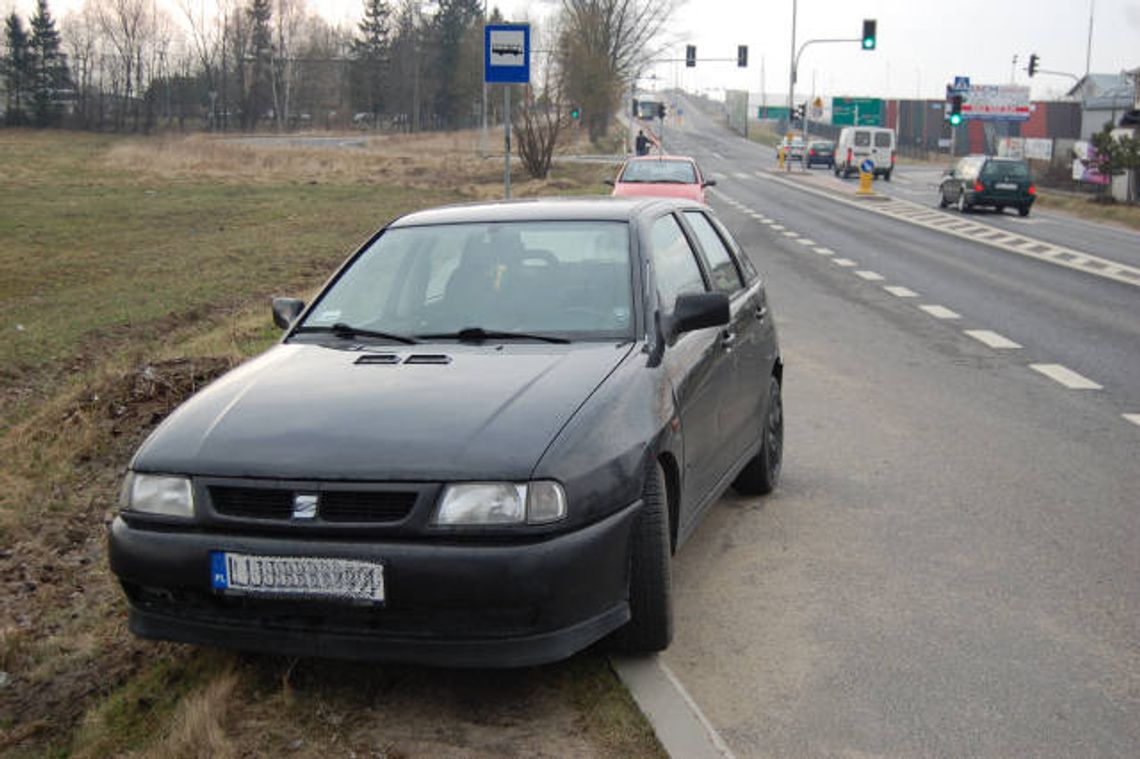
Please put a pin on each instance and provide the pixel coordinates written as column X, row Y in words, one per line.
column 660, row 190
column 313, row 412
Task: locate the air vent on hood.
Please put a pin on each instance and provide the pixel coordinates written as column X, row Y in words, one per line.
column 428, row 358
column 378, row 358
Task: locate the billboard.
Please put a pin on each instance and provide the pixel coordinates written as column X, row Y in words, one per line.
column 995, row 102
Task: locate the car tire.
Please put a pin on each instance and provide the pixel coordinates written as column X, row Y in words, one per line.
column 887, row 175
column 1023, row 211
column 760, row 475
column 650, row 626
column 963, row 206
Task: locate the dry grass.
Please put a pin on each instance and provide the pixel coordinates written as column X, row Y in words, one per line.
column 1089, row 208
column 198, row 729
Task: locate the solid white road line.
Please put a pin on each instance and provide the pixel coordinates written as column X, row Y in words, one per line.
column 1065, row 376
column 901, row 292
column 992, row 339
column 870, row 276
column 843, row 262
column 1134, row 418
column 941, row 312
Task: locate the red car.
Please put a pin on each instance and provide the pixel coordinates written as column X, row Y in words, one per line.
column 670, row 176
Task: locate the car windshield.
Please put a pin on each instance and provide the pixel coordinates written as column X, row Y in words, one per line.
column 681, row 172
column 1006, row 169
column 569, row 279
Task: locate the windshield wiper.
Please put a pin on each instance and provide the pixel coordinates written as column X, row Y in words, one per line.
column 478, row 334
column 347, row 331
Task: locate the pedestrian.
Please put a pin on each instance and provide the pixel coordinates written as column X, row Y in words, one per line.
column 641, row 143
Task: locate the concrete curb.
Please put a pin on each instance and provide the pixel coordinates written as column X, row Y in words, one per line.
column 681, row 726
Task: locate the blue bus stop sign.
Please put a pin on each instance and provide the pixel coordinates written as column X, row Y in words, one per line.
column 506, row 53
column 867, row 166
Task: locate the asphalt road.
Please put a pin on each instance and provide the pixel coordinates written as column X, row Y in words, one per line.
column 951, row 565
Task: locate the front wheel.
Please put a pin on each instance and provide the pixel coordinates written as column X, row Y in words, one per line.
column 760, row 475
column 650, row 626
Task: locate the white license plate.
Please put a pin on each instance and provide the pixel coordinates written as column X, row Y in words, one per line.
column 1005, row 186
column 297, row 577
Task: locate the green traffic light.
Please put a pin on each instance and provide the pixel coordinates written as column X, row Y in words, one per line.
column 955, row 119
column 575, row 113
column 868, row 43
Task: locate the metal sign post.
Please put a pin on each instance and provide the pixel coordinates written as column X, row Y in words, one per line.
column 506, row 60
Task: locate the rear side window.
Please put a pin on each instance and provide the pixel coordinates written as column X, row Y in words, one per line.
column 725, row 276
column 882, row 139
column 862, row 139
column 674, row 262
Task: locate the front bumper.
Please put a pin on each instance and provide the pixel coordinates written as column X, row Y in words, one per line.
column 448, row 603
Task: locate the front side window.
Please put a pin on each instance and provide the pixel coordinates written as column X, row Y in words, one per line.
column 725, row 276
column 567, row 278
column 674, row 262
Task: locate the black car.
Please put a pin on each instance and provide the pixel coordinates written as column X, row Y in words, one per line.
column 478, row 446
column 820, row 153
column 979, row 180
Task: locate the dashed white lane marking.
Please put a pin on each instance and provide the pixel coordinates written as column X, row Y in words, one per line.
column 718, row 155
column 777, row 227
column 992, row 339
column 741, row 175
column 1134, row 418
column 805, row 241
column 770, row 222
column 1066, row 376
column 901, row 292
column 843, row 262
column 941, row 312
column 789, row 233
column 824, row 251
column 870, row 276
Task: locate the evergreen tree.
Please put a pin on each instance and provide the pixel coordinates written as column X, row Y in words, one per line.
column 260, row 96
column 50, row 79
column 454, row 20
column 370, row 52
column 17, row 77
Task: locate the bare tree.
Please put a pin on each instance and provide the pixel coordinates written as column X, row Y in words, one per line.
column 288, row 16
column 604, row 44
column 539, row 121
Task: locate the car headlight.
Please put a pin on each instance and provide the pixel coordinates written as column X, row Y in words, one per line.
column 501, row 503
column 161, row 494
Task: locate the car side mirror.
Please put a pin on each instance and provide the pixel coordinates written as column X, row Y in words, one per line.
column 286, row 311
column 694, row 311
column 610, row 182
column 708, row 183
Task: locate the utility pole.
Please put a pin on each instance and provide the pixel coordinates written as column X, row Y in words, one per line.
column 792, row 74
column 1088, row 49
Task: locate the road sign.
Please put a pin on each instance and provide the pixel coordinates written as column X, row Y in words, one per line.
column 961, row 83
column 772, row 112
column 867, row 166
column 844, row 111
column 506, row 53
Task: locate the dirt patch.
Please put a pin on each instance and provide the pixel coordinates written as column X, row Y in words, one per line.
column 63, row 641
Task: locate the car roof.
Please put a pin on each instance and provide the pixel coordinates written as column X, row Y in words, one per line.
column 665, row 157
column 593, row 208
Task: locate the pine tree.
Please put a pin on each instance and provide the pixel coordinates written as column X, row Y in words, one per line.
column 454, row 20
column 370, row 52
column 260, row 12
column 50, row 78
column 17, row 76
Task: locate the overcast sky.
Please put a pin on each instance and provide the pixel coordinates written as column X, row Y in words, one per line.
column 921, row 44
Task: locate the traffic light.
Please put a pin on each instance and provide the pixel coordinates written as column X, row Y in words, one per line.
column 690, row 55
column 955, row 110
column 1032, row 64
column 575, row 112
column 799, row 112
column 869, row 33
column 742, row 56
column 661, row 111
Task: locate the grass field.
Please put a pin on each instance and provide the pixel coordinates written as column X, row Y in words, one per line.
column 131, row 273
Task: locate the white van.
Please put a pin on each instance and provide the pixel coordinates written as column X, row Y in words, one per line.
column 857, row 144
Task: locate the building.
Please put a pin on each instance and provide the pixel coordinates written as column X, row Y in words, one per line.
column 1104, row 98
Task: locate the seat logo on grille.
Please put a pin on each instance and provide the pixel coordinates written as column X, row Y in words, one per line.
column 305, row 506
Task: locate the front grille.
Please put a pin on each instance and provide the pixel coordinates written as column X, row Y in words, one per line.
column 332, row 505
column 367, row 506
column 252, row 503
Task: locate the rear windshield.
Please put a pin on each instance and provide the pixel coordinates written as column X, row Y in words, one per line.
column 882, row 139
column 1009, row 169
column 862, row 139
column 681, row 172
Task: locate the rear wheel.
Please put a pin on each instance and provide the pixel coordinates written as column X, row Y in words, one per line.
column 887, row 175
column 999, row 209
column 942, row 202
column 650, row 626
column 760, row 475
column 1023, row 211
column 963, row 206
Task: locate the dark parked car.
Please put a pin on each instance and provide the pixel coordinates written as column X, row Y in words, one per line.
column 821, row 154
column 478, row 446
column 979, row 180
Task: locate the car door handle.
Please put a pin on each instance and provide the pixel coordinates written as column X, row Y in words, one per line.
column 727, row 338
column 761, row 312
